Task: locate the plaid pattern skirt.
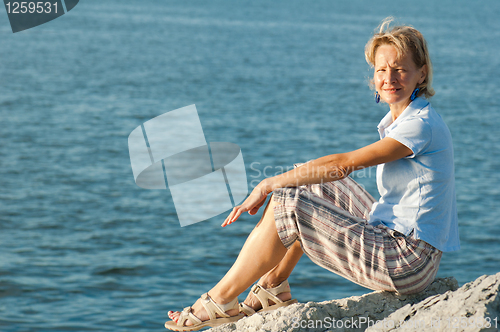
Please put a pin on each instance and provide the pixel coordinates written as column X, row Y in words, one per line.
column 330, row 221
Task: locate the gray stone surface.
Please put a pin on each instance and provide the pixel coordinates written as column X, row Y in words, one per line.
column 441, row 307
column 473, row 307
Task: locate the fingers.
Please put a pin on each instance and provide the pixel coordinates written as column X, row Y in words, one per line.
column 256, row 208
column 235, row 214
column 232, row 217
column 251, row 204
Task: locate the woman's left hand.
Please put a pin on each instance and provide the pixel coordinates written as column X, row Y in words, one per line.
column 251, row 204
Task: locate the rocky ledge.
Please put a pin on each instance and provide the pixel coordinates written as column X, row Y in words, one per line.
column 441, row 307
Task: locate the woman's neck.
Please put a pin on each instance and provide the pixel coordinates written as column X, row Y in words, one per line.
column 397, row 109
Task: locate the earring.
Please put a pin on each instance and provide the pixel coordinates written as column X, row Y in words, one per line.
column 414, row 94
column 377, row 97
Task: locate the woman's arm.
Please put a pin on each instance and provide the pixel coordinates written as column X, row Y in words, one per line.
column 325, row 169
column 338, row 166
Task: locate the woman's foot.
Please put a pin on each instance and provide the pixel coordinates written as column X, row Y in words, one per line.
column 204, row 312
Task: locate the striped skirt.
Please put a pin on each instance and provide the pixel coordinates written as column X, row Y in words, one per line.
column 330, row 221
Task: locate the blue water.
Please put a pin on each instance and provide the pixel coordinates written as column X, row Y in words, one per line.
column 82, row 248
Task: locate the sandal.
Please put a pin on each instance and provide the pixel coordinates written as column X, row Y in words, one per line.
column 213, row 309
column 264, row 295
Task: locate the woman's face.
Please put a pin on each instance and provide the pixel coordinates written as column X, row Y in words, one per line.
column 395, row 79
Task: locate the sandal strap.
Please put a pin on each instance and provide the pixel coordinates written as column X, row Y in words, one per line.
column 246, row 309
column 284, row 287
column 213, row 309
column 187, row 314
column 264, row 295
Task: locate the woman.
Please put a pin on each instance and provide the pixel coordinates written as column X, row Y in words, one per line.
column 394, row 244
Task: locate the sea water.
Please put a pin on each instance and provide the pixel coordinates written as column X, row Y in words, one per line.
column 83, row 248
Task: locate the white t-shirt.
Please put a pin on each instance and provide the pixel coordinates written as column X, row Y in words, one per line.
column 418, row 192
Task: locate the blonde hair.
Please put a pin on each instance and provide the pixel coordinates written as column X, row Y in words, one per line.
column 405, row 39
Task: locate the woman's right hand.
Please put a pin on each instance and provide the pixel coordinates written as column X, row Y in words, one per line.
column 252, row 203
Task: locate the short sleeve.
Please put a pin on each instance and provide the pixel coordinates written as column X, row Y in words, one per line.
column 414, row 133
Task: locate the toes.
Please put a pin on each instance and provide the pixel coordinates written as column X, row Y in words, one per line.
column 174, row 315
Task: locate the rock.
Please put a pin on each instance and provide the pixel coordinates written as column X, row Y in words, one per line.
column 473, row 307
column 441, row 307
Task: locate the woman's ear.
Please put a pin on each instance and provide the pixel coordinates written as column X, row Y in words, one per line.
column 423, row 74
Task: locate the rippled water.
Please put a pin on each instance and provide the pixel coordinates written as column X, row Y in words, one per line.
column 83, row 248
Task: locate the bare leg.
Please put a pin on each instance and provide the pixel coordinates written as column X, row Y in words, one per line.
column 263, row 250
column 282, row 271
column 277, row 275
